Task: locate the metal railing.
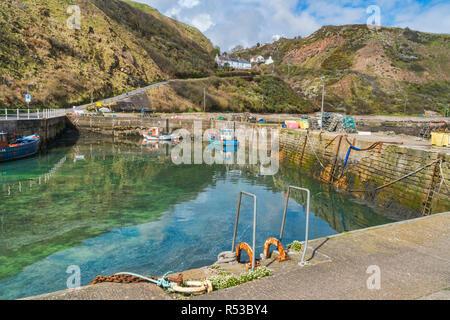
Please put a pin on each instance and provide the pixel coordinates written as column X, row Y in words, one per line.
column 254, row 225
column 29, row 114
column 302, row 262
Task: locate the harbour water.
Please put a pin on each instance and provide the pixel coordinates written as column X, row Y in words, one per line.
column 115, row 206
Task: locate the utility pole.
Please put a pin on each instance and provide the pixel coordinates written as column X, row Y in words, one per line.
column 204, row 99
column 323, row 98
column 406, row 100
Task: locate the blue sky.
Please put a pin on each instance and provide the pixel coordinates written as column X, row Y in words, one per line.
column 231, row 22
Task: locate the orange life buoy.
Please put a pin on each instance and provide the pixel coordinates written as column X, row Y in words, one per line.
column 249, row 251
column 283, row 256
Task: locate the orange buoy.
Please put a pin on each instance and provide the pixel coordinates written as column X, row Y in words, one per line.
column 283, row 256
column 244, row 246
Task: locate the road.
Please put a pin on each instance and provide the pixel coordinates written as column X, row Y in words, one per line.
column 124, row 95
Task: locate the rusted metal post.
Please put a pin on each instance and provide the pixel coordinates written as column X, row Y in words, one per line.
column 303, row 151
column 333, row 168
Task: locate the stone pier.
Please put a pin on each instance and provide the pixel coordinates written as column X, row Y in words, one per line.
column 47, row 129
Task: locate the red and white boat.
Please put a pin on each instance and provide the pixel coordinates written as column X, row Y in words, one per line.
column 154, row 134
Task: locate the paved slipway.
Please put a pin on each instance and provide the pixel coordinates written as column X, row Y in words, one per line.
column 413, row 257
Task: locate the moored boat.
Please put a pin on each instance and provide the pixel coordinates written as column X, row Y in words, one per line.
column 18, row 148
column 226, row 139
column 154, row 134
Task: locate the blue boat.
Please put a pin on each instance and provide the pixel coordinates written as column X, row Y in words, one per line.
column 227, row 139
column 19, row 148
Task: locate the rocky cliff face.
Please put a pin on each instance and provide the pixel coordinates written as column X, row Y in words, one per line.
column 366, row 71
column 119, row 45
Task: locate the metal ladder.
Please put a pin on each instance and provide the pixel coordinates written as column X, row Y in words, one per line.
column 435, row 181
column 302, row 262
column 254, row 224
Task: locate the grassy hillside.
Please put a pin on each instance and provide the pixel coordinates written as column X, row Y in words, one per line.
column 265, row 94
column 121, row 45
column 387, row 71
column 187, row 31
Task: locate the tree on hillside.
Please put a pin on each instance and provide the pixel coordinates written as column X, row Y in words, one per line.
column 216, row 51
column 237, row 48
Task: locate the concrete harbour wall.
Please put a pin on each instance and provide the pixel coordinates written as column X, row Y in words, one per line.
column 416, row 195
column 47, row 129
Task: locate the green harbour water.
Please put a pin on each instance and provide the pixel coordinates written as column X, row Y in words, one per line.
column 109, row 205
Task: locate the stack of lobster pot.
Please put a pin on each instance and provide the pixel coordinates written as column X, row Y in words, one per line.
column 333, row 122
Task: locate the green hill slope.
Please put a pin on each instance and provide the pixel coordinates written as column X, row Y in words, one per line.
column 121, row 45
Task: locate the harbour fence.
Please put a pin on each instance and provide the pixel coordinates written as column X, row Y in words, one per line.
column 28, row 114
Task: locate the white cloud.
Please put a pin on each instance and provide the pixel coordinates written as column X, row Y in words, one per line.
column 434, row 20
column 246, row 22
column 202, row 22
column 276, row 37
column 188, row 3
column 173, row 12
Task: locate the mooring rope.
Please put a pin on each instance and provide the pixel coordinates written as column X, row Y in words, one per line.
column 309, row 144
column 371, row 147
column 399, row 179
column 443, row 182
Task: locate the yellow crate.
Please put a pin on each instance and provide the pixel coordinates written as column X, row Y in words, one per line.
column 440, row 139
column 303, row 123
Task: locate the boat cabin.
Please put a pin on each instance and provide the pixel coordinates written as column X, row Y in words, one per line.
column 4, row 140
column 226, row 134
column 154, row 132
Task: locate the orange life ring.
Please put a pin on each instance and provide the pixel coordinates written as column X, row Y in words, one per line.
column 283, row 256
column 249, row 251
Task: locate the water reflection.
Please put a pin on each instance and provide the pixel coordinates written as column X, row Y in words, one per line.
column 114, row 206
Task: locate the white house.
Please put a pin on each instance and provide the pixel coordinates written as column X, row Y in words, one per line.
column 258, row 59
column 269, row 61
column 239, row 64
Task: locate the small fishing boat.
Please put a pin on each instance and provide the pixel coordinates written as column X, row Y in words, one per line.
column 18, row 148
column 226, row 139
column 154, row 134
